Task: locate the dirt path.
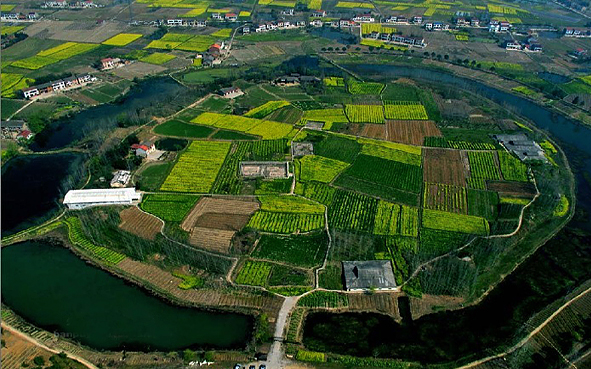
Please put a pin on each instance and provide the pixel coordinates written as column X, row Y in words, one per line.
column 16, row 332
column 530, row 335
column 21, row 109
column 275, row 359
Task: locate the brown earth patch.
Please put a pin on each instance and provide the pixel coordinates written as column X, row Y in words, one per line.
column 213, row 221
column 227, row 222
column 411, row 131
column 164, row 281
column 18, row 352
column 386, row 303
column 512, row 189
column 429, row 304
column 133, row 220
column 446, row 198
column 444, row 166
column 211, row 239
column 374, row 131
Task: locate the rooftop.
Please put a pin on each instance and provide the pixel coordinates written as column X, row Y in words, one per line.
column 368, row 274
column 101, row 195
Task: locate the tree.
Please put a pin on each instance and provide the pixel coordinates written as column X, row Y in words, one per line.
column 39, row 360
column 426, row 53
column 371, row 48
column 446, row 57
column 433, row 54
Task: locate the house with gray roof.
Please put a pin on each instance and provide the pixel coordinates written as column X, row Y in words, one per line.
column 368, row 275
column 524, row 147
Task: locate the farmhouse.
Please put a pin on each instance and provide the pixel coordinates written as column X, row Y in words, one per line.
column 143, row 149
column 80, row 199
column 60, row 84
column 522, row 146
column 121, row 178
column 231, row 92
column 264, row 169
column 365, row 275
column 24, row 135
column 11, row 128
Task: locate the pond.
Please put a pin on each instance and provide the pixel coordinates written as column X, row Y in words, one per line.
column 32, row 186
column 335, row 34
column 53, row 289
column 104, row 118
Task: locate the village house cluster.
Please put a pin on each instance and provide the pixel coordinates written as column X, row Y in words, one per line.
column 64, row 4
column 19, row 17
column 59, row 85
column 15, row 130
column 112, row 63
column 577, row 32
column 531, row 45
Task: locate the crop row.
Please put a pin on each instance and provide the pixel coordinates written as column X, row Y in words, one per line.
column 438, row 196
column 351, row 211
column 334, row 82
column 326, row 115
column 122, row 39
column 12, row 82
column 265, row 109
column 482, row 167
column 459, row 145
column 365, row 113
column 169, row 207
column 78, row 238
column 324, row 299
column 393, row 219
column 285, row 223
column 290, row 204
column 316, row 191
column 197, row 168
column 254, row 273
column 405, row 111
column 54, row 55
column 391, row 154
column 364, row 88
column 183, row 42
column 512, row 168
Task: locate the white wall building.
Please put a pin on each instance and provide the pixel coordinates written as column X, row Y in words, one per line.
column 80, row 199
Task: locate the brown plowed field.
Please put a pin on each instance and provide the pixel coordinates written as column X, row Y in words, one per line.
column 227, row 222
column 444, row 166
column 18, row 352
column 213, row 221
column 133, row 220
column 386, row 303
column 411, row 131
column 374, row 131
column 211, row 239
column 516, row 189
column 220, row 206
column 163, row 280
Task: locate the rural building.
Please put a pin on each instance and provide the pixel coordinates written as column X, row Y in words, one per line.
column 80, row 199
column 24, row 135
column 144, row 148
column 366, row 275
column 496, row 26
column 60, row 84
column 512, row 45
column 525, row 148
column 121, row 178
column 11, row 128
column 231, row 92
column 232, row 17
column 577, row 32
column 265, row 169
column 318, row 14
column 110, row 63
column 302, row 149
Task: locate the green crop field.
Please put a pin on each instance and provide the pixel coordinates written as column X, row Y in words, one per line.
column 54, row 55
column 316, row 191
column 179, row 128
column 311, row 356
column 254, row 273
column 9, row 30
column 482, row 203
column 459, row 145
column 400, row 92
column 388, row 153
column 197, row 168
column 324, row 299
column 184, row 42
column 223, row 33
column 364, row 88
column 350, row 211
column 151, row 178
column 389, row 173
column 319, row 168
column 169, row 207
column 11, row 83
column 438, row 196
column 334, row 82
column 365, row 113
column 300, row 250
column 268, row 130
column 78, row 238
column 415, row 150
column 326, row 115
column 512, row 168
column 445, row 221
column 337, row 147
column 405, row 110
column 290, row 204
column 265, row 109
column 393, row 219
column 157, row 58
column 122, row 39
column 285, row 223
column 482, row 167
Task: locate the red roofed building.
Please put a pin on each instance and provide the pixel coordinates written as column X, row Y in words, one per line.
column 25, row 135
column 143, row 149
column 233, row 17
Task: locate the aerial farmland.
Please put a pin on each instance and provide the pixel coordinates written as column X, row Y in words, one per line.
column 279, row 184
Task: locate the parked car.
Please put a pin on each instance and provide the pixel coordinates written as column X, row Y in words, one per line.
column 262, row 366
column 237, row 366
column 252, row 367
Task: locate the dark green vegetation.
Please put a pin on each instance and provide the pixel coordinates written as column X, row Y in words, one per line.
column 152, row 177
column 300, row 250
column 169, row 207
column 179, row 128
column 335, row 147
column 27, row 280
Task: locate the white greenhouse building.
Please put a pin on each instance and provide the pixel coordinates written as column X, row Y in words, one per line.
column 80, row 199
